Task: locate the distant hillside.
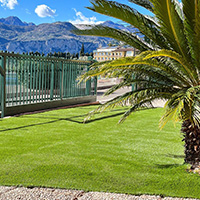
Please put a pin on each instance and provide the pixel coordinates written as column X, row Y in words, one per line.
column 12, row 20
column 19, row 36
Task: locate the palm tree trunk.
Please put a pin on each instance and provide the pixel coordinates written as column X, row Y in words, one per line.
column 191, row 135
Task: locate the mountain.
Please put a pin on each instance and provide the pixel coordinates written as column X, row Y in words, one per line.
column 12, row 20
column 19, row 36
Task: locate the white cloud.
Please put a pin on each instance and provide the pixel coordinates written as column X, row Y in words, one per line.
column 81, row 19
column 9, row 3
column 44, row 11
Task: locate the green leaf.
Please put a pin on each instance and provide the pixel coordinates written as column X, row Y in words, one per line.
column 191, row 9
column 104, row 31
column 144, row 3
column 172, row 26
column 131, row 16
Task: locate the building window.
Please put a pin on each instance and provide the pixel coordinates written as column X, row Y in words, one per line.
column 113, row 54
column 106, row 53
column 99, row 54
column 129, row 53
column 120, row 54
column 116, row 54
column 99, row 58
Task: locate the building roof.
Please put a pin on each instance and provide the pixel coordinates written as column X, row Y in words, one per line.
column 124, row 49
column 106, row 49
column 113, row 49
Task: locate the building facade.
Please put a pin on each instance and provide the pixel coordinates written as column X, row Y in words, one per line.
column 113, row 53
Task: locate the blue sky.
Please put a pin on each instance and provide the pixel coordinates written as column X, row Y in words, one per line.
column 48, row 11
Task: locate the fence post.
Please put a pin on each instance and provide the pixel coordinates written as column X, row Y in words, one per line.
column 52, row 81
column 95, row 85
column 133, row 85
column 88, row 85
column 3, row 86
column 61, row 79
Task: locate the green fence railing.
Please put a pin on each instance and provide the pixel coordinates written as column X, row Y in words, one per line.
column 35, row 79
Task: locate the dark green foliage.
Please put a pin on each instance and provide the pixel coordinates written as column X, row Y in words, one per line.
column 68, row 55
column 168, row 66
column 73, row 56
column 77, row 55
column 82, row 51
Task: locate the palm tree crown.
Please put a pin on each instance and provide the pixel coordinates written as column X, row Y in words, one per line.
column 168, row 66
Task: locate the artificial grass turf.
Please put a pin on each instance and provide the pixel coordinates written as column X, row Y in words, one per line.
column 55, row 149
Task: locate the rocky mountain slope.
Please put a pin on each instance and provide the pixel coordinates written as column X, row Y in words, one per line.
column 12, row 20
column 19, row 36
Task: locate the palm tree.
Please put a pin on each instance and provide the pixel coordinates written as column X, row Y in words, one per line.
column 168, row 66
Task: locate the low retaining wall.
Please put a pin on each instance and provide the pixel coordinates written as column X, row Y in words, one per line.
column 13, row 110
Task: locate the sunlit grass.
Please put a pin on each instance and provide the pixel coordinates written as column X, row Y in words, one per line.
column 55, row 149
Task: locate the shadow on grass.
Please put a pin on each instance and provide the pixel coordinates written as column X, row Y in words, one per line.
column 105, row 117
column 71, row 119
column 168, row 166
column 175, row 156
column 100, row 93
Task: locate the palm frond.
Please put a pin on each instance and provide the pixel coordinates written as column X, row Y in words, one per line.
column 144, row 3
column 142, row 104
column 179, row 9
column 168, row 67
column 129, row 38
column 93, row 71
column 171, row 26
column 145, row 59
column 134, row 98
column 131, row 16
column 172, row 113
column 183, row 105
column 140, row 82
column 187, row 68
column 196, row 113
column 191, row 11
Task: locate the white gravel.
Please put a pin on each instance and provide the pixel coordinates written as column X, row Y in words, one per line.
column 22, row 193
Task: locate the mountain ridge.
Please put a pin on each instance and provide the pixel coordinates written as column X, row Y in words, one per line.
column 13, row 20
column 19, row 37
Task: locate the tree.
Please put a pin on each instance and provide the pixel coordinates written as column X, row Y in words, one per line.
column 77, row 55
column 91, row 54
column 167, row 68
column 73, row 56
column 68, row 55
column 82, row 52
column 55, row 54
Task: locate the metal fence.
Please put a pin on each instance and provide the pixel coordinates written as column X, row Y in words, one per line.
column 29, row 80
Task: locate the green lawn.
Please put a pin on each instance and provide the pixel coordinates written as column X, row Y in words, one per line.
column 55, row 149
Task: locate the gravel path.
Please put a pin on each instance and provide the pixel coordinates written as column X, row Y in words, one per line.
column 103, row 99
column 21, row 193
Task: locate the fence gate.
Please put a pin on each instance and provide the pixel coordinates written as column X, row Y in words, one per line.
column 2, row 87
